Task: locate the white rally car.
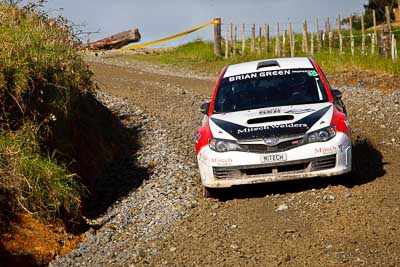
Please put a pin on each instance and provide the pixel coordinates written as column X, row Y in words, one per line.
column 272, row 120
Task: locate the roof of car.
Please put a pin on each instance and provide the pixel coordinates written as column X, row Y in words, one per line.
column 282, row 64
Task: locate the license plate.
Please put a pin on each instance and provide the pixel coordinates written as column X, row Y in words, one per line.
column 273, row 158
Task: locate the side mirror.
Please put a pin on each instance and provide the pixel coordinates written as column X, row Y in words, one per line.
column 337, row 94
column 205, row 107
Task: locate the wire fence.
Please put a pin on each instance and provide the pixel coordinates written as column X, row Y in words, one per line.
column 297, row 37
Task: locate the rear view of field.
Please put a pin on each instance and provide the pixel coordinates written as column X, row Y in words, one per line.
column 349, row 220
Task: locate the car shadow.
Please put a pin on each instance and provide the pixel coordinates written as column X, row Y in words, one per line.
column 367, row 166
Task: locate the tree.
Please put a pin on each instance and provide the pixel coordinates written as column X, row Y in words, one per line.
column 379, row 7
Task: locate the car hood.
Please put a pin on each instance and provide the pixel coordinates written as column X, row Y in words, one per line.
column 262, row 123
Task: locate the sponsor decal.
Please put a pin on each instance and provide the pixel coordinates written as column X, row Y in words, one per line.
column 326, row 150
column 203, row 157
column 222, row 162
column 312, row 73
column 261, row 74
column 300, row 111
column 266, row 131
column 304, row 71
column 268, row 127
column 270, row 111
column 347, row 123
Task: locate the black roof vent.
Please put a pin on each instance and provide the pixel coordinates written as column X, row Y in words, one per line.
column 267, row 63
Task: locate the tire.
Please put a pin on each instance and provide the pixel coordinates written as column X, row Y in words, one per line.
column 208, row 192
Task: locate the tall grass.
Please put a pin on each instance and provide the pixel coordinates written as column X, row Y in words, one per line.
column 35, row 183
column 42, row 76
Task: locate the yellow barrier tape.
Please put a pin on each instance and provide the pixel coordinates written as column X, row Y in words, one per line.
column 170, row 37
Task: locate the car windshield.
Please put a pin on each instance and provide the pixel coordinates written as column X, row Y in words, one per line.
column 269, row 89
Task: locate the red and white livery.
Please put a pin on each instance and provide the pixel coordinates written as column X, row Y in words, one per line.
column 272, row 120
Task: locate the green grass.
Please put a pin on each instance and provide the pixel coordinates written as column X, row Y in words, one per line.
column 42, row 76
column 199, row 56
column 35, row 183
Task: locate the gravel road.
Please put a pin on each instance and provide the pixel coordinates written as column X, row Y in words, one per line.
column 344, row 221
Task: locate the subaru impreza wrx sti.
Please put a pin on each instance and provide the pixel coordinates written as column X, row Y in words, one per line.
column 272, row 120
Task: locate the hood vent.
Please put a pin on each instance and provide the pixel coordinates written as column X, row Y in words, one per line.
column 267, row 63
column 271, row 119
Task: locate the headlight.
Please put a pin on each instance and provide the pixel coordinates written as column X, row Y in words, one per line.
column 221, row 145
column 321, row 135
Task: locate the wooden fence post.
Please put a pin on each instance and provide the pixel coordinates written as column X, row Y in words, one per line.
column 305, row 37
column 375, row 31
column 243, row 39
column 291, row 40
column 373, row 41
column 312, row 44
column 253, row 37
column 277, row 42
column 362, row 36
column 227, row 43
column 351, row 35
column 339, row 24
column 231, row 36
column 384, row 43
column 394, row 48
column 259, row 42
column 284, row 43
column 234, row 40
column 266, row 32
column 217, row 37
column 318, row 36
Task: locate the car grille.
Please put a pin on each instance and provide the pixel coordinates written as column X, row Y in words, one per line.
column 252, row 171
column 323, row 163
column 261, row 148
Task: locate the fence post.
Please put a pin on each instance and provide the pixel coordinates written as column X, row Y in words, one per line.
column 259, row 42
column 328, row 25
column 253, row 37
column 217, row 37
column 234, row 40
column 284, row 43
column 362, row 36
column 394, row 48
column 291, row 40
column 227, row 43
column 243, row 39
column 266, row 32
column 384, row 44
column 305, row 37
column 318, row 36
column 277, row 42
column 375, row 31
column 373, row 41
column 312, row 44
column 231, row 36
column 351, row 35
column 339, row 23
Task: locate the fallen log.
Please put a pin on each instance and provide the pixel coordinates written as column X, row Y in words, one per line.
column 116, row 41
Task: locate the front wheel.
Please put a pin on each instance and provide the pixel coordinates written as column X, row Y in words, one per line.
column 208, row 192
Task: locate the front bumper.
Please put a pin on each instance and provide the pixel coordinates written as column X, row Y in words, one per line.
column 312, row 160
